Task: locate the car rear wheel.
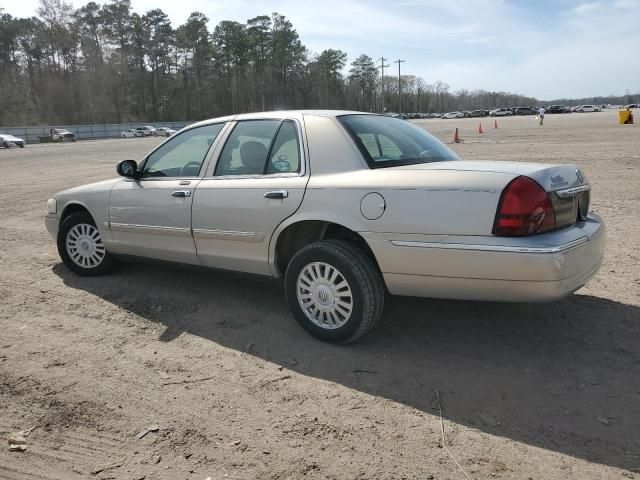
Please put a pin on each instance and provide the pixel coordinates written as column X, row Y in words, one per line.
column 334, row 291
column 80, row 246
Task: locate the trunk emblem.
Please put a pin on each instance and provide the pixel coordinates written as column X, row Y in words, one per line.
column 558, row 181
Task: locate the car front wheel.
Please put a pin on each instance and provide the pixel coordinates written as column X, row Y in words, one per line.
column 80, row 246
column 334, row 291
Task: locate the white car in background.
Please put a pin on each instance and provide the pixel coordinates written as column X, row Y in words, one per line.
column 450, row 115
column 146, row 131
column 130, row 133
column 165, row 131
column 7, row 141
column 588, row 108
column 500, row 112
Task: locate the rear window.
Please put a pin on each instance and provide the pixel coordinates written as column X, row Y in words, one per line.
column 388, row 142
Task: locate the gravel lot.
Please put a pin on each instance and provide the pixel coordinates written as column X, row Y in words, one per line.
column 237, row 390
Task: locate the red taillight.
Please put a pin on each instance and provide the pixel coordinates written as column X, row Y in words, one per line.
column 524, row 209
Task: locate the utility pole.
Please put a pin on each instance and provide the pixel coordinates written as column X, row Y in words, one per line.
column 382, row 67
column 399, row 85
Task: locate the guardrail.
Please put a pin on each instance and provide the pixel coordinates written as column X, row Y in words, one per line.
column 84, row 132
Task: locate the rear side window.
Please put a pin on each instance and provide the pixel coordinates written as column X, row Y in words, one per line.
column 387, row 142
column 285, row 151
column 260, row 147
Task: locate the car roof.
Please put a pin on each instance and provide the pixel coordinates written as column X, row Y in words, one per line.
column 279, row 114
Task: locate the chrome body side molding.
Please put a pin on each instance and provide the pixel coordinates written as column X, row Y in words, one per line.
column 255, row 237
column 134, row 228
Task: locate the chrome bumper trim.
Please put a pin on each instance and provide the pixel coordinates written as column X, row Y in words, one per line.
column 569, row 192
column 491, row 248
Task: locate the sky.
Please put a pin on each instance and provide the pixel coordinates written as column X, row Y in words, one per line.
column 548, row 49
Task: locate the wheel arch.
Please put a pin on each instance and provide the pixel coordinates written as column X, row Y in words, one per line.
column 295, row 234
column 74, row 207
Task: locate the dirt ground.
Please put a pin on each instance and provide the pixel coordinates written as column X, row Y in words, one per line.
column 238, row 391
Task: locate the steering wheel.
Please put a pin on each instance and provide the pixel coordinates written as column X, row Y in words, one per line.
column 185, row 168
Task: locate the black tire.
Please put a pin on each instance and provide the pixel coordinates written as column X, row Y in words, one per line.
column 363, row 279
column 5, row 145
column 82, row 218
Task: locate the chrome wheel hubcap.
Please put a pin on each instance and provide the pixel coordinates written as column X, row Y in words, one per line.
column 84, row 246
column 324, row 295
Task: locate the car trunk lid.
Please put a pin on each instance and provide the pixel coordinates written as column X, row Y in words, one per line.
column 565, row 184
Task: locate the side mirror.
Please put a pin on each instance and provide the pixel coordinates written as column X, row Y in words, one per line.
column 128, row 169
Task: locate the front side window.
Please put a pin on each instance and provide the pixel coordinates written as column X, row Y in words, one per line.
column 260, row 147
column 387, row 142
column 182, row 156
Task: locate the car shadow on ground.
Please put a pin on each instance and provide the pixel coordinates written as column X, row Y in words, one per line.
column 563, row 376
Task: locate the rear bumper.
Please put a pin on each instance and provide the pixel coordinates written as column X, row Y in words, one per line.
column 527, row 269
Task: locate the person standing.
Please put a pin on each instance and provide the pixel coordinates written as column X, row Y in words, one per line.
column 541, row 115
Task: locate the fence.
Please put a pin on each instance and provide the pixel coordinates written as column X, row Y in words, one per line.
column 84, row 132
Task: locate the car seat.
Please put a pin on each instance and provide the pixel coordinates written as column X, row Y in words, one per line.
column 253, row 156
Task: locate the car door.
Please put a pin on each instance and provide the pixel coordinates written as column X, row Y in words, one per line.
column 258, row 181
column 151, row 216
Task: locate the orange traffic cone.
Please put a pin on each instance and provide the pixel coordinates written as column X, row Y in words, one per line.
column 480, row 128
column 495, row 124
column 456, row 138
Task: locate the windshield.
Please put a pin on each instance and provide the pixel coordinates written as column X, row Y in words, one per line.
column 388, row 142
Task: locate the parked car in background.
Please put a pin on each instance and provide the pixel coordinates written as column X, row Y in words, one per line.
column 632, row 105
column 61, row 135
column 7, row 141
column 129, row 133
column 557, row 109
column 165, row 131
column 451, row 115
column 146, row 130
column 524, row 111
column 477, row 113
column 589, row 108
column 501, row 112
column 343, row 207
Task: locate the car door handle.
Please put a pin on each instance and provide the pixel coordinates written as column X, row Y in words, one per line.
column 277, row 194
column 181, row 193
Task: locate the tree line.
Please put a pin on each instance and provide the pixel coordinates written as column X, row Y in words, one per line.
column 109, row 64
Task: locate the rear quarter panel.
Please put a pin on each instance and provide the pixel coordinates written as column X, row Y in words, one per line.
column 437, row 202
